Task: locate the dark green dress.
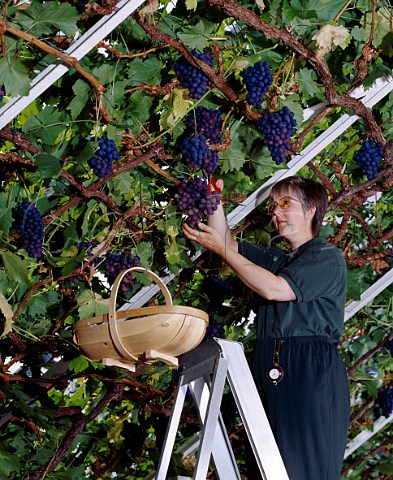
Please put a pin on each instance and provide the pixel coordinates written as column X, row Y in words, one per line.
column 308, row 409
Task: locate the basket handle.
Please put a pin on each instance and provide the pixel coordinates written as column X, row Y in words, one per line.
column 112, row 306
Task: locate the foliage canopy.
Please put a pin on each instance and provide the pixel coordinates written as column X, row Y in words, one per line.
column 64, row 417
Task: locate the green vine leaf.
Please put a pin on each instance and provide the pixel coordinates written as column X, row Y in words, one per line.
column 81, row 90
column 91, row 304
column 308, row 85
column 49, row 17
column 48, row 166
column 14, row 76
column 8, row 463
column 144, row 72
column 198, row 38
column 46, row 126
column 178, row 104
column 17, row 269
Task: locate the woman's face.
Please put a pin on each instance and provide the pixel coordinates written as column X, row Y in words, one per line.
column 289, row 217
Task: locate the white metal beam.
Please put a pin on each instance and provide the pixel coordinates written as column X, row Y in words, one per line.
column 78, row 49
column 366, row 434
column 368, row 295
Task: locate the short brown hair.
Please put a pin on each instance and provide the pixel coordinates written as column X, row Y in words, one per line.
column 310, row 193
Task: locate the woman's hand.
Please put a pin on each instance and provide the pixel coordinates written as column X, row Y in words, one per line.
column 206, row 237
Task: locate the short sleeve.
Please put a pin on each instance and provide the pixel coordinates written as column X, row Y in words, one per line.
column 317, row 274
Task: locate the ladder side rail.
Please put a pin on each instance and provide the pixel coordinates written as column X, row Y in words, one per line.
column 210, row 420
column 223, row 456
column 171, row 431
column 252, row 413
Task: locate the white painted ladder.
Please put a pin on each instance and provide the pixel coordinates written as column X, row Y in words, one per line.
column 204, row 372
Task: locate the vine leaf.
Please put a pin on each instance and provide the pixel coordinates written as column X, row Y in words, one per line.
column 329, row 36
column 308, row 85
column 294, row 104
column 46, row 126
column 79, row 364
column 235, row 157
column 6, row 310
column 48, row 17
column 7, row 203
column 178, row 104
column 14, row 76
column 198, row 38
column 48, row 166
column 9, row 463
column 138, row 111
column 191, row 4
column 81, row 90
column 328, row 9
column 146, row 71
column 91, row 305
column 17, row 269
column 301, row 9
column 383, row 25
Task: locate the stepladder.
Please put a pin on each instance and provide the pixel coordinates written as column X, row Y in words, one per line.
column 204, row 373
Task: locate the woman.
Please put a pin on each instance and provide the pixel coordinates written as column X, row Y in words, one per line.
column 297, row 369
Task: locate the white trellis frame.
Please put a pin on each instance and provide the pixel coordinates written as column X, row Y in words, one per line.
column 102, row 29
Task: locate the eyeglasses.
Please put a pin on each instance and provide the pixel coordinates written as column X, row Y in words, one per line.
column 284, row 203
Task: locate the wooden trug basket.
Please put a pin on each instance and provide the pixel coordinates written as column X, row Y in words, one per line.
column 148, row 334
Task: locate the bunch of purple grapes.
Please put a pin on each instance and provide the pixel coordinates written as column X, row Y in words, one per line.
column 196, row 201
column 203, row 126
column 193, row 78
column 214, row 329
column 385, row 401
column 134, row 438
column 2, row 92
column 207, row 121
column 277, row 128
column 88, row 247
column 194, row 150
column 369, row 158
column 102, row 161
column 220, row 289
column 30, row 227
column 116, row 263
column 258, row 80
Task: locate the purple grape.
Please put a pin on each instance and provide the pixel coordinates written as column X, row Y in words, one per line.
column 258, row 80
column 385, row 401
column 369, row 158
column 277, row 128
column 30, row 227
column 193, row 78
column 205, row 121
column 116, row 263
column 196, row 201
column 2, row 92
column 214, row 329
column 102, row 161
